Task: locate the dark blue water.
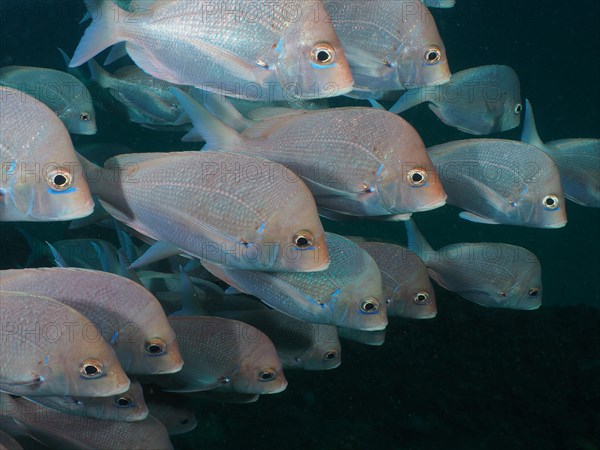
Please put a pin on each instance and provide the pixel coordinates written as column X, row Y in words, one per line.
column 472, row 378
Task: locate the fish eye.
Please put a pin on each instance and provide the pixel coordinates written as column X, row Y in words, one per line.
column 123, row 401
column 432, row 55
column 518, row 108
column 421, row 298
column 59, row 180
column 534, row 292
column 323, row 54
column 550, row 202
column 91, row 368
column 85, row 116
column 267, row 375
column 331, row 355
column 155, row 347
column 417, row 177
column 303, row 239
column 369, row 305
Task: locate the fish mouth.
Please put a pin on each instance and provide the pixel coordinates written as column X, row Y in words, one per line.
column 174, row 369
column 278, row 390
column 556, row 225
column 433, row 205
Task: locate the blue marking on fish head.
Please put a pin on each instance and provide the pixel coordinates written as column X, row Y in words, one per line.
column 114, row 337
column 379, row 170
column 11, row 168
column 279, row 46
column 46, row 360
column 262, row 227
column 327, row 66
column 66, row 191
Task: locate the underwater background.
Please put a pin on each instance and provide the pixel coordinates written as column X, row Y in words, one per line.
column 472, row 378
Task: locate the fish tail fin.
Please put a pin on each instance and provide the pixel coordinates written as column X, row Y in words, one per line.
column 529, row 133
column 417, row 243
column 99, row 74
column 102, row 33
column 409, row 99
column 207, row 127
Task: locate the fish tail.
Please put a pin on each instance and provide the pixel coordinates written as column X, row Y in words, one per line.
column 98, row 74
column 530, row 134
column 409, row 99
column 417, row 243
column 103, row 32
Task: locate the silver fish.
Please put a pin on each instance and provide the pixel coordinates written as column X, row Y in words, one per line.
column 223, row 352
column 40, row 177
column 390, row 45
column 406, row 286
column 356, row 161
column 128, row 317
column 262, row 51
column 501, row 181
column 481, row 100
column 174, row 411
column 578, row 162
column 128, row 406
column 51, row 349
column 348, row 293
column 490, row 274
column 61, row 92
column 232, row 209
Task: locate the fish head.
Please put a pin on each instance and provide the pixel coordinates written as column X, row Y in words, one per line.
column 311, row 62
column 129, row 406
column 261, row 371
column 326, row 351
column 542, row 203
column 80, row 121
column 417, row 301
column 48, row 192
column 526, row 291
column 506, row 89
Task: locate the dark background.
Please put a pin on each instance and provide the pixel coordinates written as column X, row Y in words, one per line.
column 472, row 378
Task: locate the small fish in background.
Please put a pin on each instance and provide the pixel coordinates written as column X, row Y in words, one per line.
column 355, row 161
column 407, row 288
column 481, row 100
column 233, row 209
column 578, row 162
column 270, row 57
column 494, row 275
column 128, row 406
column 56, row 358
column 499, row 181
column 299, row 344
column 347, row 294
column 41, row 179
column 390, row 45
column 61, row 92
column 59, row 430
column 128, row 317
column 375, row 338
column 223, row 353
column 174, row 411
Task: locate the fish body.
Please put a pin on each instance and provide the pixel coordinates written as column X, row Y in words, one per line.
column 500, row 181
column 406, row 286
column 228, row 208
column 263, row 51
column 174, row 411
column 348, row 293
column 61, row 92
column 495, row 275
column 38, row 181
column 128, row 317
column 481, row 100
column 48, row 348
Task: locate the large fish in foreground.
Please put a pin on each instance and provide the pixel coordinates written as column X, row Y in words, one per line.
column 500, row 181
column 490, row 274
column 40, row 176
column 356, row 161
column 265, row 51
column 231, row 209
column 578, row 162
column 48, row 348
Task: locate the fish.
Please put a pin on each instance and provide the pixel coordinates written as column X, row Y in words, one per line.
column 284, row 50
column 64, row 94
column 7, row 442
column 356, row 161
column 228, row 208
column 407, row 288
column 494, row 275
column 38, row 182
column 481, row 100
column 349, row 293
column 48, row 348
column 223, row 353
column 174, row 411
column 128, row 406
column 500, row 181
column 439, row 3
column 59, row 430
column 578, row 162
column 389, row 45
column 128, row 317
column 299, row 344
column 146, row 99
